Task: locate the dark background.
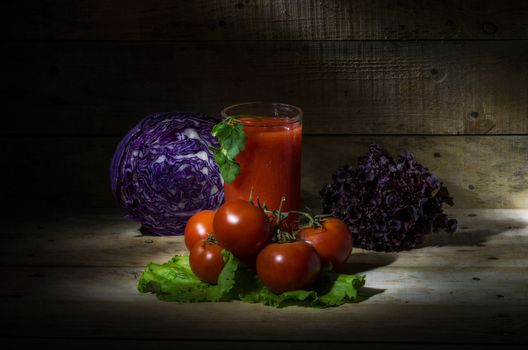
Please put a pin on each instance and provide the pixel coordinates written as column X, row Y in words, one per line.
column 447, row 80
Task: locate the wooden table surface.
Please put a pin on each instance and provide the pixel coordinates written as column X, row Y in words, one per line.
column 70, row 280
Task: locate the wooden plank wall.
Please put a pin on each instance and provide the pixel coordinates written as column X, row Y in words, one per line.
column 447, row 80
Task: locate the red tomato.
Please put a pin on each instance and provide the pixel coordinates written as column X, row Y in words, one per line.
column 332, row 241
column 198, row 227
column 206, row 261
column 289, row 266
column 241, row 227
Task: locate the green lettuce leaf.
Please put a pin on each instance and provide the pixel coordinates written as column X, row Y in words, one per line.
column 174, row 281
column 331, row 289
column 344, row 289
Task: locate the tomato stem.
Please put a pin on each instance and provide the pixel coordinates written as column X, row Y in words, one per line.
column 313, row 220
column 282, row 236
column 251, row 196
column 211, row 238
column 279, row 215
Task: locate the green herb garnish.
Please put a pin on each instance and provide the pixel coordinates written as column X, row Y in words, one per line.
column 230, row 133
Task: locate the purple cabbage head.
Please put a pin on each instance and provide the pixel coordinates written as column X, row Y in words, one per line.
column 388, row 204
column 163, row 172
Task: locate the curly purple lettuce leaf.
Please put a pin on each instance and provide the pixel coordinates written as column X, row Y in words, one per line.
column 388, row 204
column 163, row 172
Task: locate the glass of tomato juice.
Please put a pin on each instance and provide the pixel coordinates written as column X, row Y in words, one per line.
column 270, row 163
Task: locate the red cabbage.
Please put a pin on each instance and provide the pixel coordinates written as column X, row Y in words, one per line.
column 389, row 205
column 163, row 172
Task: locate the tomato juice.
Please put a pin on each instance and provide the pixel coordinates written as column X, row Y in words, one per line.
column 270, row 164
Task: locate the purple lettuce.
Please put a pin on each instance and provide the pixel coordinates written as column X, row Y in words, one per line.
column 163, row 171
column 388, row 204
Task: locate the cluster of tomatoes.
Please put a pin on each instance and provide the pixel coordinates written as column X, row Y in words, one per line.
column 284, row 261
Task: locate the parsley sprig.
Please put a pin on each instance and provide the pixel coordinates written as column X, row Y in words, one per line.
column 230, row 133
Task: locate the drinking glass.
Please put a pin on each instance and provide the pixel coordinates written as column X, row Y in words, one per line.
column 270, row 163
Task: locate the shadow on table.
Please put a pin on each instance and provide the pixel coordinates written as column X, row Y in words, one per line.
column 466, row 235
column 361, row 262
column 145, row 232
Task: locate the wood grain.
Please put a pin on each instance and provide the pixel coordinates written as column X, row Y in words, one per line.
column 103, row 315
column 350, row 323
column 90, row 344
column 411, row 75
column 479, row 171
column 265, row 20
column 104, row 238
column 105, row 88
column 411, row 285
column 443, row 303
